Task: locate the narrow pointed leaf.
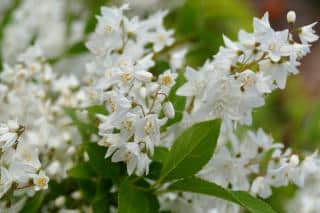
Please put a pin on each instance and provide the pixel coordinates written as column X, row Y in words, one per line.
column 191, row 151
column 244, row 199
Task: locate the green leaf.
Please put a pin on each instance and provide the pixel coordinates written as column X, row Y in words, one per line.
column 101, row 201
column 82, row 171
column 178, row 102
column 160, row 154
column 133, row 200
column 191, row 150
column 197, row 185
column 33, row 205
column 88, row 189
column 253, row 204
column 102, row 166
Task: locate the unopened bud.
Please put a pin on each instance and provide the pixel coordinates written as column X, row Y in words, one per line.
column 54, row 168
column 71, row 150
column 294, row 160
column 59, row 201
column 143, row 92
column 76, row 195
column 168, row 109
column 144, row 76
column 291, row 17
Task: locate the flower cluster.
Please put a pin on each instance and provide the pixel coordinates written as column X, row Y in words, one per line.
column 306, row 199
column 254, row 164
column 229, row 87
column 238, row 161
column 30, row 23
column 36, row 96
column 120, row 78
column 20, row 166
column 235, row 82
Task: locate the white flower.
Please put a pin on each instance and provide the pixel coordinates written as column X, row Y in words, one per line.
column 167, row 79
column 40, row 181
column 177, row 57
column 28, row 154
column 168, row 109
column 307, row 34
column 128, row 153
column 9, row 133
column 261, row 187
column 143, row 76
column 196, row 83
column 5, row 181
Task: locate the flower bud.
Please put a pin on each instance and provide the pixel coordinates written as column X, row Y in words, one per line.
column 59, row 201
column 54, row 168
column 76, row 195
column 71, row 150
column 168, row 110
column 291, row 17
column 144, row 76
column 294, row 160
column 143, row 92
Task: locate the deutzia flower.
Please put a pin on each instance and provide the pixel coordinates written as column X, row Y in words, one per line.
column 9, row 133
column 235, row 82
column 19, row 162
column 133, row 96
column 261, row 187
column 32, row 17
column 40, row 181
column 195, row 85
column 307, row 34
column 168, row 110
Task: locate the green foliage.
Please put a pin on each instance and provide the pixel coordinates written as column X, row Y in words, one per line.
column 308, row 135
column 280, row 196
column 102, row 166
column 33, row 204
column 133, row 200
column 201, row 23
column 197, row 185
column 81, row 171
column 191, row 150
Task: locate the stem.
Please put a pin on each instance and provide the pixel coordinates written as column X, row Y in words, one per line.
column 173, row 46
column 190, row 107
column 248, row 66
column 141, row 107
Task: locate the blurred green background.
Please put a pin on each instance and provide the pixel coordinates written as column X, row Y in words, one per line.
column 292, row 115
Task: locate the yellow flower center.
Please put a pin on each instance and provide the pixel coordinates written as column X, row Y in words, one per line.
column 126, row 77
column 148, row 127
column 108, row 28
column 41, row 181
column 166, row 80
